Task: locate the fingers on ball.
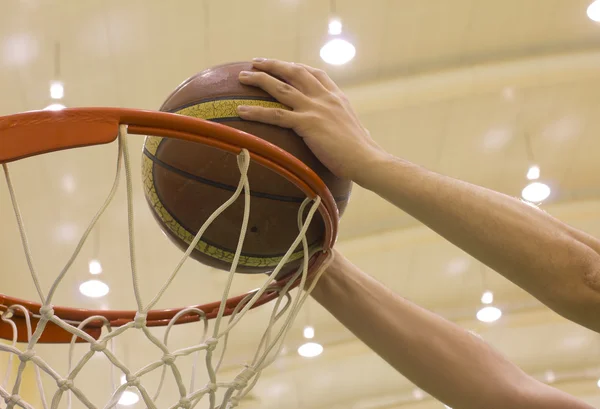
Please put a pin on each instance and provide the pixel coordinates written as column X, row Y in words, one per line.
column 295, row 74
column 273, row 116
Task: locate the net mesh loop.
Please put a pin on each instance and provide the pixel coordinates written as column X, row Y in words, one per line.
column 211, row 344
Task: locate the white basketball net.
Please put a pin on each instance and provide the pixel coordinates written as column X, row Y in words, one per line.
column 67, row 391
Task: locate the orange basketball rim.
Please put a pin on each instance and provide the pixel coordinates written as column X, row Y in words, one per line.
column 38, row 132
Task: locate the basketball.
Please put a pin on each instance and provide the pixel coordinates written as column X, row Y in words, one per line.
column 185, row 182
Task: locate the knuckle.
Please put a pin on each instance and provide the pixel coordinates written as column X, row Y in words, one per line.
column 279, row 114
column 335, row 99
column 311, row 117
column 296, row 69
column 592, row 277
column 344, row 98
column 284, row 88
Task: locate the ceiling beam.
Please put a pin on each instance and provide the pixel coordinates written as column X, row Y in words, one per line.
column 476, row 79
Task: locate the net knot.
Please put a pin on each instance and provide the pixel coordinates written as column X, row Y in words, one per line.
column 47, row 312
column 12, row 400
column 98, row 346
column 211, row 386
column 242, row 379
column 27, row 355
column 140, row 320
column 8, row 314
column 211, row 344
column 168, row 359
column 132, row 380
column 64, row 384
column 243, row 160
column 185, row 403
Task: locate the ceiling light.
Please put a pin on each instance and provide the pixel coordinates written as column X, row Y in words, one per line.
column 335, row 27
column 533, row 173
column 66, row 231
column 418, row 394
column 94, row 289
column 458, row 266
column 337, row 52
column 310, row 350
column 95, row 267
column 598, row 383
column 128, row 398
column 57, row 90
column 536, row 192
column 550, row 376
column 495, row 139
column 19, row 49
column 309, row 332
column 593, row 11
column 489, row 314
column 68, row 183
column 487, row 297
column 508, row 93
column 54, row 107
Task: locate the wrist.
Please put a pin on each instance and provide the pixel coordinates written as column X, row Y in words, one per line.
column 395, row 179
column 331, row 280
column 371, row 167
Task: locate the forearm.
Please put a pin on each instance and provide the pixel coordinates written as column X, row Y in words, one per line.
column 555, row 262
column 438, row 356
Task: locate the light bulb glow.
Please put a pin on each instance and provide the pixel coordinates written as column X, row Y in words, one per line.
column 309, row 332
column 94, row 289
column 489, row 314
column 418, row 394
column 598, row 383
column 337, row 52
column 95, row 267
column 536, row 192
column 533, row 173
column 57, row 90
column 487, row 297
column 128, row 398
column 54, row 107
column 593, row 11
column 310, row 350
column 335, row 27
column 68, row 183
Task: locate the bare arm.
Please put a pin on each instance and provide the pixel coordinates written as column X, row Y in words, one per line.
column 429, row 350
column 554, row 262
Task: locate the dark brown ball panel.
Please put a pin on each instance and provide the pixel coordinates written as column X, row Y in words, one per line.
column 190, row 181
column 272, row 225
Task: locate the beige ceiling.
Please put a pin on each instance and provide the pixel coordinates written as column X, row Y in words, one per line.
column 456, row 86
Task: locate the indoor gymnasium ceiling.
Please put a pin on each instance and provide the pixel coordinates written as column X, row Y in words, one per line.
column 457, row 86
